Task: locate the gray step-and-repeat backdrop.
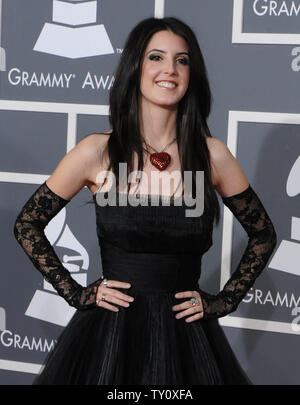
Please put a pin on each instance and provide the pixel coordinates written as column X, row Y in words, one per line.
column 57, row 60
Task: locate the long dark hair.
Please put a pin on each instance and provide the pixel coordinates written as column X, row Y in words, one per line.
column 193, row 109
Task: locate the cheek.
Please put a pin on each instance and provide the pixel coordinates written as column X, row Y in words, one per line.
column 185, row 84
column 145, row 73
column 147, row 78
column 187, row 78
column 149, row 72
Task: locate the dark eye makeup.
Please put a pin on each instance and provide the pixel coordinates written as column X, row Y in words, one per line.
column 182, row 60
column 154, row 57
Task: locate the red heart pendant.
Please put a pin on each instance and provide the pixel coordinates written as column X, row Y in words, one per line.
column 160, row 160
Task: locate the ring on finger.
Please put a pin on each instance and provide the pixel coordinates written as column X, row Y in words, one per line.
column 102, row 298
column 194, row 301
column 104, row 281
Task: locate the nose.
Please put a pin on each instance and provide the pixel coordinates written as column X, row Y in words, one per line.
column 170, row 67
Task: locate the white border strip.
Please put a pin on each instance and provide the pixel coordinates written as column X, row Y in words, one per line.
column 20, row 366
column 258, row 324
column 159, row 8
column 27, row 178
column 256, row 38
column 234, row 117
column 64, row 108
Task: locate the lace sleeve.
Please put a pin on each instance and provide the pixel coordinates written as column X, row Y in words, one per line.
column 248, row 209
column 29, row 226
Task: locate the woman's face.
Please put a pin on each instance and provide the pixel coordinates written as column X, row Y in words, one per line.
column 165, row 70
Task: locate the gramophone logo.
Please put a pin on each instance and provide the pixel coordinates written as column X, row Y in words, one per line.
column 287, row 256
column 74, row 32
column 46, row 304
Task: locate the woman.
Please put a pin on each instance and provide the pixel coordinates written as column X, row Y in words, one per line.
column 148, row 322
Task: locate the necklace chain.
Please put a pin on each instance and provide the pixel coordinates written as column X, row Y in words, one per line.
column 163, row 148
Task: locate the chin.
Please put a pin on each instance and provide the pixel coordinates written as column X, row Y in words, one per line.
column 170, row 103
column 167, row 102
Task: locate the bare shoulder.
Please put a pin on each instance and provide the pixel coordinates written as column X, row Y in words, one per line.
column 91, row 149
column 94, row 143
column 94, row 150
column 227, row 175
column 79, row 167
column 218, row 150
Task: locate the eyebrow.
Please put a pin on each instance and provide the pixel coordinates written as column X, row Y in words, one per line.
column 178, row 53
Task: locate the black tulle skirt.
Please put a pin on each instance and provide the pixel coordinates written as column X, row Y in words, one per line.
column 141, row 345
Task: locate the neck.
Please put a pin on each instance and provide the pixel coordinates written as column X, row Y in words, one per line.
column 158, row 124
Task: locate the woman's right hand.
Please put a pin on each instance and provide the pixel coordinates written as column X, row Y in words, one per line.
column 113, row 296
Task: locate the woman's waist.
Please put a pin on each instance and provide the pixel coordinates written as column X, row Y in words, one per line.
column 151, row 272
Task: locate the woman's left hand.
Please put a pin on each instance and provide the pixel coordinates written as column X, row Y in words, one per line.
column 187, row 307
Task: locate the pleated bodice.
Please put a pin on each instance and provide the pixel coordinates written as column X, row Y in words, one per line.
column 156, row 248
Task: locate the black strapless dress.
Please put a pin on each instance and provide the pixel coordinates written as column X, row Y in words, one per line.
column 158, row 250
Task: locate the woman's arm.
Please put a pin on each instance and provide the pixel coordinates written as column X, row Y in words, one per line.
column 236, row 193
column 227, row 175
column 72, row 173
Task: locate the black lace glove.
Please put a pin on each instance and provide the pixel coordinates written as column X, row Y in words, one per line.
column 29, row 226
column 249, row 211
